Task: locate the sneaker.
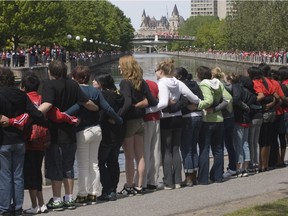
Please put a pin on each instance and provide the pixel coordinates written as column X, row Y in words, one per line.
column 229, row 173
column 251, row 168
column 104, row 197
column 239, row 173
column 69, row 204
column 81, row 201
column 244, row 173
column 126, row 191
column 32, row 210
column 151, row 187
column 138, row 191
column 18, row 212
column 177, row 186
column 160, row 186
column 112, row 196
column 55, row 206
column 166, row 187
column 91, row 199
column 43, row 209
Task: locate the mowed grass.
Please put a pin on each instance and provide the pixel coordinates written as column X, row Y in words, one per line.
column 276, row 208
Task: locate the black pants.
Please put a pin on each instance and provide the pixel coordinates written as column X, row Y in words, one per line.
column 109, row 166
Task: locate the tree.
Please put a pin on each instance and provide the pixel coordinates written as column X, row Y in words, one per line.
column 31, row 21
column 208, row 31
column 193, row 24
column 257, row 25
column 101, row 21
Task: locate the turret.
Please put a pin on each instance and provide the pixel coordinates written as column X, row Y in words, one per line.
column 143, row 15
column 174, row 21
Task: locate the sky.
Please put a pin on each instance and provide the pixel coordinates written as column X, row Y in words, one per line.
column 133, row 9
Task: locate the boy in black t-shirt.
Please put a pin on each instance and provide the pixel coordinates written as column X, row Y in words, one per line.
column 61, row 92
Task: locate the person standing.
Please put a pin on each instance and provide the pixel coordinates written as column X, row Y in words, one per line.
column 13, row 102
column 242, row 99
column 283, row 78
column 135, row 90
column 228, row 126
column 192, row 121
column 265, row 92
column 152, row 144
column 112, row 138
column 63, row 93
column 212, row 130
column 37, row 138
column 170, row 89
column 89, row 136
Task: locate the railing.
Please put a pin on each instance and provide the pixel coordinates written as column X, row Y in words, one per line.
column 164, row 37
column 236, row 57
column 93, row 60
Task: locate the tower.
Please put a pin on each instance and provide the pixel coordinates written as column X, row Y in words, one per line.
column 174, row 21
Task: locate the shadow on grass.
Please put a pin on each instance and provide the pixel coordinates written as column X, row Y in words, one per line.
column 279, row 208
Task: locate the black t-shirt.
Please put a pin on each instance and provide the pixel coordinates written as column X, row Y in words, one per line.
column 62, row 93
column 133, row 96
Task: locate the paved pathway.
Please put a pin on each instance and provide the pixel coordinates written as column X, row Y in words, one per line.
column 213, row 199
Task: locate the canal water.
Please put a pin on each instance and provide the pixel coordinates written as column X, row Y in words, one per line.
column 149, row 62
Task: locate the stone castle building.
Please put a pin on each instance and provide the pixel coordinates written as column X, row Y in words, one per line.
column 164, row 26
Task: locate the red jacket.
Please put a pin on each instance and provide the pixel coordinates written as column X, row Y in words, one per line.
column 54, row 114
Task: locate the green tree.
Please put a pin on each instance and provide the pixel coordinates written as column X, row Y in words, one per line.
column 31, row 21
column 211, row 35
column 192, row 24
column 101, row 21
column 257, row 25
column 208, row 30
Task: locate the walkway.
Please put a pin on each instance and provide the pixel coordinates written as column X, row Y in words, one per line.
column 214, row 199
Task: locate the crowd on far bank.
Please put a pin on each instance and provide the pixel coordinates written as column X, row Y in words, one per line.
column 38, row 55
column 172, row 123
column 268, row 57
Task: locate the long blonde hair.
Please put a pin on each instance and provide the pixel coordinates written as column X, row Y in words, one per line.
column 131, row 70
column 167, row 66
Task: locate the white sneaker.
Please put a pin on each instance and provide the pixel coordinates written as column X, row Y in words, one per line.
column 228, row 173
column 43, row 209
column 177, row 186
column 32, row 210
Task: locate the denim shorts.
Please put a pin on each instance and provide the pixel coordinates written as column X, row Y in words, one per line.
column 59, row 161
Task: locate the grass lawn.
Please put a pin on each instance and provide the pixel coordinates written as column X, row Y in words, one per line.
column 277, row 208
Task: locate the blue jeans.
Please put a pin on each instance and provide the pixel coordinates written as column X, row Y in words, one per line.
column 11, row 177
column 211, row 134
column 241, row 143
column 189, row 140
column 228, row 138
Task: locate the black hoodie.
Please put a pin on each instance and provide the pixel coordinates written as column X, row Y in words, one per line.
column 112, row 133
column 14, row 102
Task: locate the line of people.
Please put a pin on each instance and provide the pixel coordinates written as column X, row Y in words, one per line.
column 173, row 122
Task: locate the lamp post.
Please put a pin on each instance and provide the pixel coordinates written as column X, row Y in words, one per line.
column 77, row 39
column 69, row 37
column 84, row 41
column 91, row 42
